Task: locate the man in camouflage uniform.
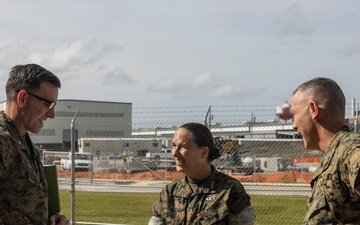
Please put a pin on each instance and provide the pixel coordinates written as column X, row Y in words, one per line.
column 318, row 106
column 32, row 93
column 203, row 195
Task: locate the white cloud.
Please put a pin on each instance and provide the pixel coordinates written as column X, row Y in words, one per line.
column 222, row 91
column 203, row 80
column 117, row 76
column 252, row 89
column 68, row 59
column 228, row 90
column 165, row 86
column 16, row 52
column 203, row 86
column 76, row 54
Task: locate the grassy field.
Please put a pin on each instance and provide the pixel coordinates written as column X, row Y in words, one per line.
column 125, row 208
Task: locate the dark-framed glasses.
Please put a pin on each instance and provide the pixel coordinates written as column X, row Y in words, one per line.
column 50, row 104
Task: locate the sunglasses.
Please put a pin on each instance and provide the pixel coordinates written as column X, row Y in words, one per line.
column 50, row 104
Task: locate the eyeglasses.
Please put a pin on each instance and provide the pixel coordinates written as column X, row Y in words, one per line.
column 50, row 104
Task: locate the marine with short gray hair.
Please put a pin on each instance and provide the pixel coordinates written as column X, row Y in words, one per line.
column 318, row 106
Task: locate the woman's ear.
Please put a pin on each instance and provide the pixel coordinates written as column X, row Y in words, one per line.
column 205, row 152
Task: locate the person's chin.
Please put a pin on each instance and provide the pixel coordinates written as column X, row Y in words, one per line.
column 179, row 168
column 36, row 130
column 306, row 145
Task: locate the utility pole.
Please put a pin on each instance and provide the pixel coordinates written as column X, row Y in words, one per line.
column 208, row 117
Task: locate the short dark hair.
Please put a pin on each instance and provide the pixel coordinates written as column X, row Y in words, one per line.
column 202, row 137
column 29, row 77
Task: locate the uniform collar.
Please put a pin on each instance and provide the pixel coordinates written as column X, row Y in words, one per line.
column 207, row 186
column 12, row 129
column 330, row 151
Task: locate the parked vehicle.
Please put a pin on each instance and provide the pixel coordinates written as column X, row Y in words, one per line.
column 307, row 164
column 165, row 154
column 82, row 162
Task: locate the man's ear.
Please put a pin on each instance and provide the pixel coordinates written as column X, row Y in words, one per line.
column 21, row 98
column 313, row 109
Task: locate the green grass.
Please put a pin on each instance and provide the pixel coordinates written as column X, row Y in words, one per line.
column 278, row 210
column 102, row 207
column 130, row 208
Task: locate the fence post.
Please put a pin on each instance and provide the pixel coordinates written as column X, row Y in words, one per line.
column 302, row 167
column 254, row 163
column 115, row 171
column 73, row 168
column 128, row 164
column 356, row 121
column 91, row 169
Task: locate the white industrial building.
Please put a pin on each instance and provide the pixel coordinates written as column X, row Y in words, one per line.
column 94, row 119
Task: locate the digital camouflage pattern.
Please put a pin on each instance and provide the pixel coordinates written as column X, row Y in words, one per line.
column 335, row 197
column 214, row 201
column 23, row 188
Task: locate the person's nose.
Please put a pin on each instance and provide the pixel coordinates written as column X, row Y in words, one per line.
column 51, row 113
column 294, row 126
column 174, row 151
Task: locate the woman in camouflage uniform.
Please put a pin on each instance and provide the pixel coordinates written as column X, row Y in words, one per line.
column 203, row 195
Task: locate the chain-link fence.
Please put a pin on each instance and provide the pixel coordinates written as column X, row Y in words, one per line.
column 257, row 148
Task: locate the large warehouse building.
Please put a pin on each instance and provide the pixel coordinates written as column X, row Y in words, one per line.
column 94, row 119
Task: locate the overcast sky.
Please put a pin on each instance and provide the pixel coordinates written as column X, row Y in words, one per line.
column 184, row 53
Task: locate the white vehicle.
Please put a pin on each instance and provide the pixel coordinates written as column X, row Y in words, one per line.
column 82, row 162
column 164, row 154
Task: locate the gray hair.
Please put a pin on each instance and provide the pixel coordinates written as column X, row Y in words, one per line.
column 324, row 91
column 28, row 77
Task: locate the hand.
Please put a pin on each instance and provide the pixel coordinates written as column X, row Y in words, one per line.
column 58, row 220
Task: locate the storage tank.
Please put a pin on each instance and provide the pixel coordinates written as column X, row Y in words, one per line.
column 283, row 111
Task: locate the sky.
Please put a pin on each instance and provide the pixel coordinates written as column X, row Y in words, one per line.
column 164, row 53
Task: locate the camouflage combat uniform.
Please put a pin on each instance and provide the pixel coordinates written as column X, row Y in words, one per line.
column 335, row 197
column 23, row 188
column 211, row 202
